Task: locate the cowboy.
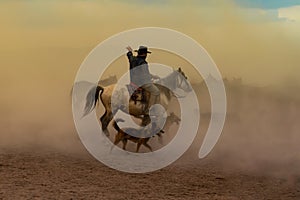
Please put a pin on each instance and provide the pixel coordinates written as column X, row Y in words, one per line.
column 140, row 75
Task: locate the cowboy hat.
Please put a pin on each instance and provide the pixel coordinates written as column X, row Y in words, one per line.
column 142, row 50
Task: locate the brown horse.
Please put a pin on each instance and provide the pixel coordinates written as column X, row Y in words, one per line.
column 175, row 80
column 124, row 137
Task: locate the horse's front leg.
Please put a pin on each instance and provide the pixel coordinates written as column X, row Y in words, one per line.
column 138, row 146
column 148, row 146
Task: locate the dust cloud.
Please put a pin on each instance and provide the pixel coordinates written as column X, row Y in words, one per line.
column 261, row 132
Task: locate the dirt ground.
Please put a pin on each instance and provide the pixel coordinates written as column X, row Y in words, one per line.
column 32, row 173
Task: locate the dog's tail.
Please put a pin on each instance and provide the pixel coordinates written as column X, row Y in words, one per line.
column 115, row 124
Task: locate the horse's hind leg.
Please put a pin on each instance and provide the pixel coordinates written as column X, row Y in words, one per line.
column 118, row 138
column 105, row 119
column 124, row 143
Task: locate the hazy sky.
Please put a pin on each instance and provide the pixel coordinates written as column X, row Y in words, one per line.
column 45, row 41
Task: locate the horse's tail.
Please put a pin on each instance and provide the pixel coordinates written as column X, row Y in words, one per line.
column 115, row 125
column 92, row 99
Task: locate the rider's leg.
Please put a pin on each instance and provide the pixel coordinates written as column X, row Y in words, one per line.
column 154, row 94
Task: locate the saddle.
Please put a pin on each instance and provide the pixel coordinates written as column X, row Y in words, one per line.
column 137, row 93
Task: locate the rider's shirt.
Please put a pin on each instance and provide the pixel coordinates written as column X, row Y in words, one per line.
column 140, row 75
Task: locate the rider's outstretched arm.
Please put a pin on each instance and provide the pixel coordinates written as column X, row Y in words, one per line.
column 130, row 54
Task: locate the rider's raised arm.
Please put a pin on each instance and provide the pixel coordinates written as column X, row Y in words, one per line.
column 130, row 56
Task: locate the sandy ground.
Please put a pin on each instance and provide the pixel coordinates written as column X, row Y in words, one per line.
column 48, row 174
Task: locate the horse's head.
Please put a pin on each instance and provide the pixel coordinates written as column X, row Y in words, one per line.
column 181, row 81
